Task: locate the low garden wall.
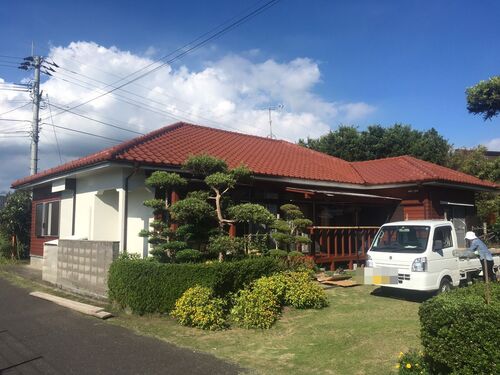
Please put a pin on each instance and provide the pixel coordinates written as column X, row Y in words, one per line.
column 79, row 265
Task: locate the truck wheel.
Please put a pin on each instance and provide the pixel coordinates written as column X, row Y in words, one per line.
column 444, row 286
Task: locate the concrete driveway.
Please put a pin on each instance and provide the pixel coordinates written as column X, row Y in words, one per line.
column 38, row 337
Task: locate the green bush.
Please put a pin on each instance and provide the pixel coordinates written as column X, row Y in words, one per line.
column 412, row 362
column 277, row 253
column 460, row 332
column 188, row 256
column 302, row 293
column 151, row 287
column 276, row 283
column 293, row 254
column 5, row 248
column 198, row 307
column 293, row 289
column 255, row 308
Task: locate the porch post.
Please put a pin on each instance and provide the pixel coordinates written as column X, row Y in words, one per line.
column 123, row 218
column 174, row 197
column 232, row 230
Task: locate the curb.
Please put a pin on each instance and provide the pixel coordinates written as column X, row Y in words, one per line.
column 83, row 308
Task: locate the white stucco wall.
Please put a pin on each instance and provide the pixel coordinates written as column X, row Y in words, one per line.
column 99, row 208
column 87, row 187
column 139, row 216
column 66, row 216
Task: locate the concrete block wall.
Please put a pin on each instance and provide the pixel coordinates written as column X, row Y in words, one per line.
column 80, row 265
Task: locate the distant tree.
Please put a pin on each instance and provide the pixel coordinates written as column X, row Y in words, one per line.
column 475, row 162
column 376, row 142
column 484, row 98
column 15, row 220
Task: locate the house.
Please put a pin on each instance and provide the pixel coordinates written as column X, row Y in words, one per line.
column 99, row 197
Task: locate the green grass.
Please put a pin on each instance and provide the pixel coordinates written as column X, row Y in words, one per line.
column 359, row 333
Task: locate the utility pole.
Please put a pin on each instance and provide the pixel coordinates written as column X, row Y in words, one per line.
column 36, row 63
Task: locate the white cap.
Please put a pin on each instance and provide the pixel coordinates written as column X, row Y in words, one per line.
column 470, row 236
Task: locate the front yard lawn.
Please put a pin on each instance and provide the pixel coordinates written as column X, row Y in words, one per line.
column 358, row 333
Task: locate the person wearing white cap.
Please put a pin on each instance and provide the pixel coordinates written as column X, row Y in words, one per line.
column 479, row 248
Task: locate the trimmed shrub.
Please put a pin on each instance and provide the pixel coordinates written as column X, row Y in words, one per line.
column 277, row 253
column 151, row 287
column 412, row 362
column 293, row 289
column 188, row 256
column 302, row 293
column 459, row 331
column 276, row 284
column 198, row 307
column 293, row 254
column 255, row 308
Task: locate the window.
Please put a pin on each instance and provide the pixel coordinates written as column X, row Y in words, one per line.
column 47, row 219
column 444, row 234
column 401, row 239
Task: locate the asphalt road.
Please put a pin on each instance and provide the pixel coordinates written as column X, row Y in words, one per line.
column 39, row 337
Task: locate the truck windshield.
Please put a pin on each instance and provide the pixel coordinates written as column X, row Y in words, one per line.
column 401, row 239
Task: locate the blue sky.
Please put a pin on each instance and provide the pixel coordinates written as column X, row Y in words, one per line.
column 405, row 61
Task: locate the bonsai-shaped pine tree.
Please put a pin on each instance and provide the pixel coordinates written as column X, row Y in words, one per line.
column 161, row 236
column 289, row 230
column 220, row 179
column 196, row 219
column 250, row 213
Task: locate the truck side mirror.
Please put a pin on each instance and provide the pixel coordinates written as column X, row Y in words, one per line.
column 438, row 245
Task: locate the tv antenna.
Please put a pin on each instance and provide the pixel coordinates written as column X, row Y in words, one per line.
column 279, row 107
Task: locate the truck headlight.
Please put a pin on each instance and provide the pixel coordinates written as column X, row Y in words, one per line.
column 419, row 265
column 369, row 261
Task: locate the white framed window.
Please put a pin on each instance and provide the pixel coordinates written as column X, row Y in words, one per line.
column 47, row 219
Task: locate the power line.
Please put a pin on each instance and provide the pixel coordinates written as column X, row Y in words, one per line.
column 11, row 57
column 15, row 109
column 85, row 133
column 96, row 120
column 146, row 106
column 13, row 119
column 196, row 46
column 54, row 129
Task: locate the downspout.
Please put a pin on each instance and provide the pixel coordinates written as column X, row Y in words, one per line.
column 125, row 208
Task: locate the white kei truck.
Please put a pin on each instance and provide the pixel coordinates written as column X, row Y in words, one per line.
column 420, row 255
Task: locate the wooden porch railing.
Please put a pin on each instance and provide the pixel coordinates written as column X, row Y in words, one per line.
column 341, row 244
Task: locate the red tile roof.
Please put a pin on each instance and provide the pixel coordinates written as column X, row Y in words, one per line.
column 171, row 145
column 406, row 169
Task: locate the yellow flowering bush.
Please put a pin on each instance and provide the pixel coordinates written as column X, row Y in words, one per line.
column 412, row 362
column 255, row 308
column 302, row 293
column 198, row 307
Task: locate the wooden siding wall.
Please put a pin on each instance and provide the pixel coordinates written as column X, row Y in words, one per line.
column 40, row 195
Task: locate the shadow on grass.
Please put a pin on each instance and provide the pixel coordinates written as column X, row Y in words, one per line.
column 402, row 294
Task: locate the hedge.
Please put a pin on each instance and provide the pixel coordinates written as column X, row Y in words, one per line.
column 145, row 286
column 460, row 332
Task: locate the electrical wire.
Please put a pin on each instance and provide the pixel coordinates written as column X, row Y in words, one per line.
column 15, row 109
column 146, row 106
column 54, row 129
column 85, row 133
column 98, row 121
column 196, row 46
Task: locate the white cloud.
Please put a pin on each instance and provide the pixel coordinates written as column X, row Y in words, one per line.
column 231, row 93
column 493, row 144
